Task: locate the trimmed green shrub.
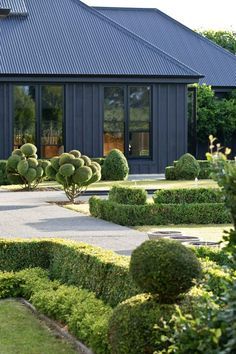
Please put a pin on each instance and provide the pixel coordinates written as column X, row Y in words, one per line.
column 17, row 255
column 3, row 173
column 103, row 272
column 187, row 167
column 194, row 195
column 165, row 268
column 115, row 166
column 74, row 172
column 127, row 195
column 159, row 214
column 144, row 326
column 24, row 168
column 218, row 256
column 170, row 173
column 99, row 160
column 86, row 316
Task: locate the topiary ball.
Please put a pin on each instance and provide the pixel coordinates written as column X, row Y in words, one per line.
column 23, row 167
column 187, row 167
column 31, row 175
column 14, row 178
column 87, row 160
column 55, row 163
column 78, row 162
column 82, row 175
column 115, row 167
column 33, row 163
column 67, row 170
column 17, row 152
column 28, row 149
column 164, row 267
column 13, row 161
column 76, row 153
column 50, row 172
column 66, row 158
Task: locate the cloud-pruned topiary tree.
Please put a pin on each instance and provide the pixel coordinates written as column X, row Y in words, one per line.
column 75, row 172
column 23, row 167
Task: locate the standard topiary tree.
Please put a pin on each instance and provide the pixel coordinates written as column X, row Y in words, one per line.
column 75, row 172
column 23, row 167
column 164, row 267
column 187, row 167
column 115, row 166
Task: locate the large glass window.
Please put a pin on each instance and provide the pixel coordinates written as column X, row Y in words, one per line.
column 52, row 121
column 127, row 120
column 24, row 115
column 114, row 118
column 139, row 121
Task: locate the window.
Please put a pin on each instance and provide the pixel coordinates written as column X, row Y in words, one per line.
column 127, row 120
column 139, row 121
column 24, row 115
column 38, row 118
column 114, row 118
column 52, row 121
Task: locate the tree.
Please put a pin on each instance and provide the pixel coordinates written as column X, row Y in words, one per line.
column 226, row 39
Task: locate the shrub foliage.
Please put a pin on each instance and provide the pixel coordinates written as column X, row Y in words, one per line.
column 127, row 195
column 115, row 166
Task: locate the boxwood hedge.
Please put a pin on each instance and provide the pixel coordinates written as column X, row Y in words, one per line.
column 193, row 195
column 100, row 271
column 159, row 214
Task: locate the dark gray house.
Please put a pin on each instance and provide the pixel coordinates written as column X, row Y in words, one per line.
column 72, row 76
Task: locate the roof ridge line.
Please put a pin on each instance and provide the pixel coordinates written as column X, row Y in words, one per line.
column 139, row 38
column 213, row 44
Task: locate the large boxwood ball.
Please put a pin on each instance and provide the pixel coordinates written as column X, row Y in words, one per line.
column 187, row 167
column 115, row 166
column 164, row 267
column 23, row 167
column 13, row 161
column 67, row 170
column 76, row 153
column 28, row 149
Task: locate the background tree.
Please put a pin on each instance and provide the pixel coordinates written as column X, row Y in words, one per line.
column 226, row 39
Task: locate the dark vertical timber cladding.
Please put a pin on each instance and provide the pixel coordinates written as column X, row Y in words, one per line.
column 5, row 121
column 83, row 118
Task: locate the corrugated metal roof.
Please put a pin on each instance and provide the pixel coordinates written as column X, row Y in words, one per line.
column 217, row 65
column 17, row 6
column 68, row 37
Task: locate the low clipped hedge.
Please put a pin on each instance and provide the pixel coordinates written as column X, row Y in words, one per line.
column 102, row 272
column 127, row 195
column 159, row 214
column 86, row 316
column 194, row 195
column 3, row 175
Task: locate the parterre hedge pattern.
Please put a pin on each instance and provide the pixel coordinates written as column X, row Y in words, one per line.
column 159, row 214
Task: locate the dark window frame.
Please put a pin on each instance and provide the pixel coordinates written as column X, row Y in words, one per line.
column 38, row 110
column 126, row 88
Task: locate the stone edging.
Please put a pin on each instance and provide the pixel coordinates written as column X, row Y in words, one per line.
column 62, row 332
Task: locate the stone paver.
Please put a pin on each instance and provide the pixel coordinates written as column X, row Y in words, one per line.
column 28, row 215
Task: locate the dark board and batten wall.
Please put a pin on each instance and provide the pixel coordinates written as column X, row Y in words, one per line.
column 84, row 122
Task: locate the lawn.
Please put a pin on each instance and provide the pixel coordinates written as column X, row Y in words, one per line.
column 22, row 333
column 148, row 184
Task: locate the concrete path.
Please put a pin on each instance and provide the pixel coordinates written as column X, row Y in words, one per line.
column 28, row 215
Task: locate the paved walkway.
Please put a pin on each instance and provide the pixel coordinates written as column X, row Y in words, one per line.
column 28, row 215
